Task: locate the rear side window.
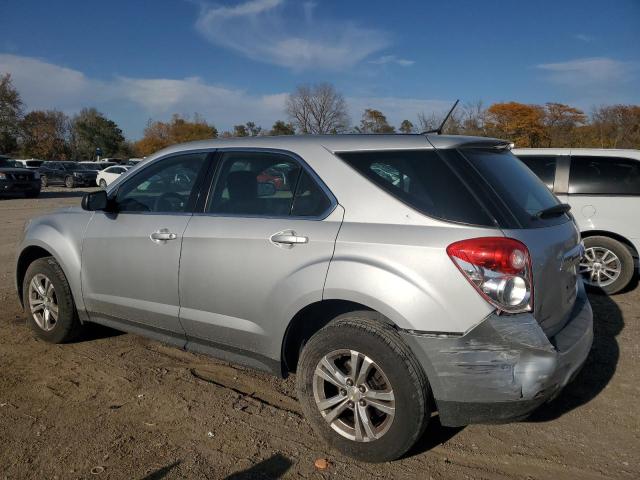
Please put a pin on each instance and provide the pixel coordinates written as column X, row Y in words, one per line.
column 604, row 175
column 422, row 180
column 519, row 188
column 543, row 166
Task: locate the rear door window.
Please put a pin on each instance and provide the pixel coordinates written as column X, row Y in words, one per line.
column 604, row 176
column 543, row 166
column 422, row 180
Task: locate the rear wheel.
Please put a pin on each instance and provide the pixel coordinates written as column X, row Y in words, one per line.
column 607, row 264
column 44, row 180
column 69, row 182
column 362, row 389
column 48, row 302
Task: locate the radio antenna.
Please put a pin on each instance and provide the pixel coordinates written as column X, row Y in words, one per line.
column 438, row 131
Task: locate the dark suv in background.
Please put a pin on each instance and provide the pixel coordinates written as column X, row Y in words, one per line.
column 69, row 174
column 17, row 180
column 603, row 188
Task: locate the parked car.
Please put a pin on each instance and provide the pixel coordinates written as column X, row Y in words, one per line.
column 97, row 166
column 603, row 189
column 450, row 286
column 69, row 174
column 30, row 163
column 108, row 175
column 15, row 179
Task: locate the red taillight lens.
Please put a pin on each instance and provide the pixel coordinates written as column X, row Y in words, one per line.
column 499, row 268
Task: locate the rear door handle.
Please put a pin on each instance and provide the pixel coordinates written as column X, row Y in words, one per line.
column 162, row 235
column 288, row 239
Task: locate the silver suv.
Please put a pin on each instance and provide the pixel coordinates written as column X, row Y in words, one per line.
column 397, row 275
column 603, row 188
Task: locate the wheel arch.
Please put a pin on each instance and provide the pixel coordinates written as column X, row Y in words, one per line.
column 615, row 236
column 308, row 320
column 27, row 256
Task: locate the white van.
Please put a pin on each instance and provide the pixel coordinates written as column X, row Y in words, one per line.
column 603, row 188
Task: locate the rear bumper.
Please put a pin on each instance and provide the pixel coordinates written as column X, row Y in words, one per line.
column 505, row 367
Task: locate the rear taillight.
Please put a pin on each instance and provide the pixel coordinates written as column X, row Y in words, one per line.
column 499, row 268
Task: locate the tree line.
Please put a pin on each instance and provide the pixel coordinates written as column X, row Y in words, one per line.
column 310, row 109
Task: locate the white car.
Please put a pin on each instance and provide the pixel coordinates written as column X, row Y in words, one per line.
column 108, row 175
column 603, row 188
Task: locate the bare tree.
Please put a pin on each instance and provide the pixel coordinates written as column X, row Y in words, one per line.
column 317, row 109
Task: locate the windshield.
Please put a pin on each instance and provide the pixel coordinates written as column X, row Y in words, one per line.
column 523, row 193
column 6, row 163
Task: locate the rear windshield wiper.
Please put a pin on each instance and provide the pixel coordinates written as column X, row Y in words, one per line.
column 554, row 211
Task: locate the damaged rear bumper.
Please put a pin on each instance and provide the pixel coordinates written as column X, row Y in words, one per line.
column 505, row 367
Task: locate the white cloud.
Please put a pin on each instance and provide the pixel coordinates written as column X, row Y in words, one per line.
column 288, row 34
column 598, row 72
column 130, row 102
column 583, row 37
column 386, row 59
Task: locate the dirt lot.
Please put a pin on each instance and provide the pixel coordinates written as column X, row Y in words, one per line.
column 118, row 406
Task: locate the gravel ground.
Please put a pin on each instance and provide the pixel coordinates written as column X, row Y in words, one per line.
column 115, row 406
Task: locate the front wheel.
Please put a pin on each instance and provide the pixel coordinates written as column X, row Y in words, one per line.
column 48, row 302
column 44, row 181
column 103, row 183
column 607, row 264
column 69, row 182
column 362, row 389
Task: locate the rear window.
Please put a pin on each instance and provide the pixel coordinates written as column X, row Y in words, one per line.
column 543, row 166
column 604, row 175
column 522, row 192
column 422, row 180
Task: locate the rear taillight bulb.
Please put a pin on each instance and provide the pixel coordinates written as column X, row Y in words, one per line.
column 499, row 268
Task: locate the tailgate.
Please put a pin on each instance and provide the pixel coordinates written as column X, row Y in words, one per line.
column 555, row 253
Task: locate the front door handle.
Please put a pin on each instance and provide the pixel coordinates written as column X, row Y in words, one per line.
column 288, row 239
column 162, row 235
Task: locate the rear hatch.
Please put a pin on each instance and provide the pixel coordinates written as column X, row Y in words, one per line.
column 526, row 210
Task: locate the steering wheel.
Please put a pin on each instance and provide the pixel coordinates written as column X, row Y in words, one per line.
column 164, row 204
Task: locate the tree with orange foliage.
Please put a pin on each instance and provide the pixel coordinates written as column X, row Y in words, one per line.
column 159, row 135
column 561, row 123
column 521, row 123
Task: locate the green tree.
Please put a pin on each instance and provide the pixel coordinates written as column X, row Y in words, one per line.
column 406, row 127
column 90, row 129
column 10, row 115
column 45, row 135
column 374, row 121
column 240, row 131
column 282, row 128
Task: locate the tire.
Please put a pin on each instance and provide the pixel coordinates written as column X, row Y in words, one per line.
column 69, row 182
column 44, row 180
column 619, row 258
column 103, row 184
column 365, row 333
column 66, row 326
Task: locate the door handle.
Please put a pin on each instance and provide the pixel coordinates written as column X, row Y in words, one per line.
column 162, row 235
column 288, row 239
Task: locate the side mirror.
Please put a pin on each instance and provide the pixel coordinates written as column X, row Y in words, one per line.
column 95, row 201
column 266, row 189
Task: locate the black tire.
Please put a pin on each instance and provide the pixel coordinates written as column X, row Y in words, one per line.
column 69, row 182
column 103, row 184
column 626, row 263
column 366, row 332
column 67, row 326
column 44, row 180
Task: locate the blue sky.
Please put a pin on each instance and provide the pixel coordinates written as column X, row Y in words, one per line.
column 235, row 61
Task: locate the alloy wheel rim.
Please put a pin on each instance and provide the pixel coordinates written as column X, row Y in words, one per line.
column 600, row 267
column 43, row 302
column 354, row 395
